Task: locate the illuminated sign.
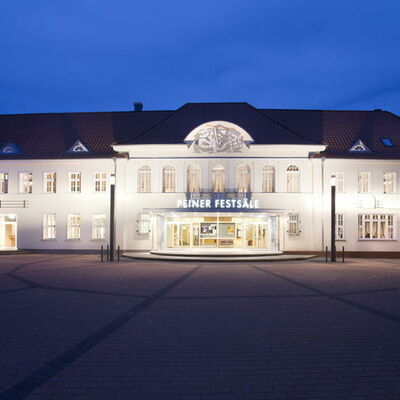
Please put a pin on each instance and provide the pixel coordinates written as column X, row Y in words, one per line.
column 219, row 203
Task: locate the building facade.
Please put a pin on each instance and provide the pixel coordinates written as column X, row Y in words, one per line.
column 213, row 177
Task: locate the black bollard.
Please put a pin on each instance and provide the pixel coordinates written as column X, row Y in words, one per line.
column 108, row 253
column 326, row 254
column 101, row 254
column 343, row 254
column 118, row 253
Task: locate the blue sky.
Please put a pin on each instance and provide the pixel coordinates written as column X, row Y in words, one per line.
column 96, row 55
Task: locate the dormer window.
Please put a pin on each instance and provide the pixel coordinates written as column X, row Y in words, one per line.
column 359, row 146
column 386, row 142
column 10, row 148
column 78, row 147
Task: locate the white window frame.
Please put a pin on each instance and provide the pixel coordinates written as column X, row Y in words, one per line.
column 144, row 224
column 25, row 182
column 385, row 223
column 294, row 225
column 100, row 182
column 339, row 176
column 144, row 179
column 74, row 227
column 193, row 178
column 218, row 178
column 243, row 178
column 293, row 179
column 364, row 182
column 169, row 179
column 389, row 182
column 339, row 227
column 74, row 182
column 49, row 182
column 49, row 226
column 99, row 223
column 4, row 182
column 268, row 179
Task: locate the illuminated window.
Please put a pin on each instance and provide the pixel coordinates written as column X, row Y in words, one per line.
column 359, row 146
column 339, row 227
column 193, row 178
column 243, row 179
column 74, row 184
column 3, row 182
column 293, row 179
column 268, row 179
column 143, row 224
column 25, row 182
column 364, row 182
column 218, row 178
column 169, row 179
column 294, row 225
column 376, row 227
column 49, row 226
column 74, row 226
column 99, row 227
column 144, row 179
column 389, row 182
column 100, row 181
column 339, row 182
column 49, row 182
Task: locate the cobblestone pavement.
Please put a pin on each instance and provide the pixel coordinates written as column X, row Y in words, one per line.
column 74, row 328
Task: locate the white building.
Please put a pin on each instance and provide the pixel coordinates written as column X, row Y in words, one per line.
column 206, row 176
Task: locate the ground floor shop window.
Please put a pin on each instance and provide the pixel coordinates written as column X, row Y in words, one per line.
column 376, row 227
column 294, row 225
column 218, row 232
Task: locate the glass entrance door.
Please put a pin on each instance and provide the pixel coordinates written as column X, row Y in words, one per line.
column 8, row 232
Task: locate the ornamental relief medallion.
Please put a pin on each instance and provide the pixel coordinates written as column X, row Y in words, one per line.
column 218, row 138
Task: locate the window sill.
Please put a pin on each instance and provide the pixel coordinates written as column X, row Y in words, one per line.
column 49, row 240
column 97, row 240
column 377, row 240
column 73, row 240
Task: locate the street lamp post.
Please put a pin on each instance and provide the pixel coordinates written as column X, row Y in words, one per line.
column 112, row 216
column 333, row 218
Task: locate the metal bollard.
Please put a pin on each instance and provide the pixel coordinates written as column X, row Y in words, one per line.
column 326, row 254
column 118, row 253
column 108, row 253
column 101, row 254
column 342, row 254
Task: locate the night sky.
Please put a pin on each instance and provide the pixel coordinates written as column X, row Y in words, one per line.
column 97, row 55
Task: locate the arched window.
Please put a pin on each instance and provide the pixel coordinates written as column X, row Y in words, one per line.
column 169, row 179
column 243, row 179
column 218, row 178
column 293, row 179
column 193, row 178
column 144, row 179
column 268, row 179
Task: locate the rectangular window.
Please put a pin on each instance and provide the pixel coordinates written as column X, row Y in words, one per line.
column 143, row 224
column 49, row 182
column 339, row 227
column 3, row 182
column 100, row 181
column 75, row 182
column 99, row 227
column 25, row 182
column 74, row 226
column 364, row 182
column 169, row 179
column 376, row 227
column 144, row 180
column 389, row 182
column 49, row 226
column 294, row 225
column 339, row 182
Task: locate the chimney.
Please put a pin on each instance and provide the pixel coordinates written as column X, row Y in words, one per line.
column 137, row 106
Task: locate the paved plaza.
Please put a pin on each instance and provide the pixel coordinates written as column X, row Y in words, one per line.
column 74, row 328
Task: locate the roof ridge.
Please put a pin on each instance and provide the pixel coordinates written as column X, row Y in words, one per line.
column 86, row 112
